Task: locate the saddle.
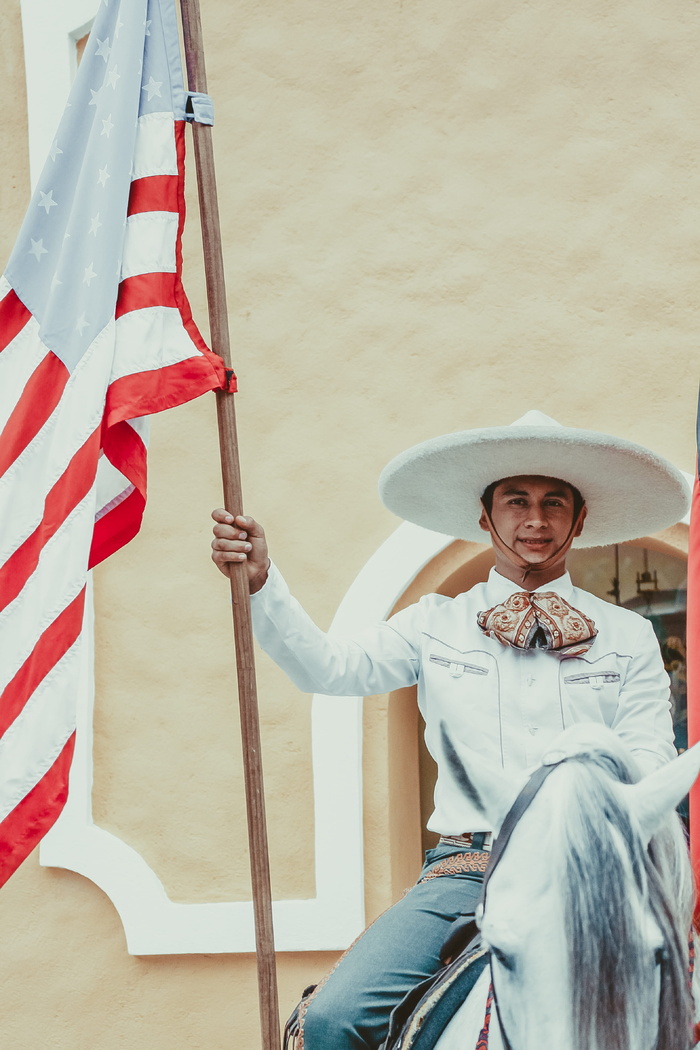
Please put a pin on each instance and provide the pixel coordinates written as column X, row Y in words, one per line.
column 423, row 1014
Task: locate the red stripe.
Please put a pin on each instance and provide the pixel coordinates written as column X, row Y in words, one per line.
column 143, row 393
column 39, row 398
column 39, row 810
column 117, row 527
column 693, row 673
column 153, row 193
column 144, row 290
column 51, row 647
column 182, row 300
column 127, row 452
column 124, row 448
column 73, row 485
column 13, row 317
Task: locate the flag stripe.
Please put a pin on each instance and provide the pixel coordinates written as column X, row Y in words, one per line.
column 13, row 317
column 125, row 450
column 43, row 392
column 54, row 643
column 31, row 818
column 25, row 484
column 38, row 734
column 160, row 389
column 18, row 361
column 72, row 487
column 150, row 243
column 154, row 193
column 154, row 151
column 59, row 578
column 145, row 290
column 117, row 527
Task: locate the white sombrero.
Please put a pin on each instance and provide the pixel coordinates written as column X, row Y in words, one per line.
column 629, row 491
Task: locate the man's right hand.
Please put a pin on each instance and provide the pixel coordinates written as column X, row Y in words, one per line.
column 237, row 540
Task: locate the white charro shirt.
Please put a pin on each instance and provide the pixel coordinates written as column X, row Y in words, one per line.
column 508, row 705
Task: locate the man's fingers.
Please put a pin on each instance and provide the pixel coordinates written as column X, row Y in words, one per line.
column 222, row 515
column 241, row 521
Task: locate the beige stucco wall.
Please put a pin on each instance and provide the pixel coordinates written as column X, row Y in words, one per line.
column 436, row 215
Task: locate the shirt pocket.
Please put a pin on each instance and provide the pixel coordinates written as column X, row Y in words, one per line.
column 592, row 691
column 455, row 667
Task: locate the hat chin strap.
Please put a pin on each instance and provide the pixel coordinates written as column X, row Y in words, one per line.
column 518, row 561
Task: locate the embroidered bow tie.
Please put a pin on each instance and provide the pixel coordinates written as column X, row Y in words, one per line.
column 539, row 620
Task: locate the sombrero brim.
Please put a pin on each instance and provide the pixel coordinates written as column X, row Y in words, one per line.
column 630, row 491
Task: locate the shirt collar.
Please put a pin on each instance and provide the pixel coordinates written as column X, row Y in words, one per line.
column 498, row 588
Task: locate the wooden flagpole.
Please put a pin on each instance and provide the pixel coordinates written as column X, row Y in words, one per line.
column 233, row 500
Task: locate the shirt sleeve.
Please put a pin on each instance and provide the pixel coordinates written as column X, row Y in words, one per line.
column 377, row 659
column 643, row 718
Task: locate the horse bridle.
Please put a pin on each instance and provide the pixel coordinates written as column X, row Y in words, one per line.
column 508, row 826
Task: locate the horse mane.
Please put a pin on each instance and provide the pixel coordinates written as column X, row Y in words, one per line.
column 604, row 862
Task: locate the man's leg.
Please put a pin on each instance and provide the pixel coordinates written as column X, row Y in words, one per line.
column 350, row 1009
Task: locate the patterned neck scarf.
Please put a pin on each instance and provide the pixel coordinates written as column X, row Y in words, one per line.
column 539, row 620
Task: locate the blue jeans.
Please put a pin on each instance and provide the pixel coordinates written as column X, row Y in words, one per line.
column 350, row 1010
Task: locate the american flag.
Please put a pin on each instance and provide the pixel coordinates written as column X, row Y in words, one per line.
column 95, row 333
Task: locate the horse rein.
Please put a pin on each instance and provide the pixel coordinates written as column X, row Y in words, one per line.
column 508, row 826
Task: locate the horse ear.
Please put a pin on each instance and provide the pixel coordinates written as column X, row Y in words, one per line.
column 488, row 789
column 657, row 795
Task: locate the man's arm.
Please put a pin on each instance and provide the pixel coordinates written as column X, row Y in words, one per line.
column 643, row 717
column 376, row 660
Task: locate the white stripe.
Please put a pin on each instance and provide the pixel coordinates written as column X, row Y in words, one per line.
column 39, row 733
column 149, row 244
column 18, row 361
column 151, row 338
column 24, row 485
column 5, row 286
column 155, row 152
column 58, row 578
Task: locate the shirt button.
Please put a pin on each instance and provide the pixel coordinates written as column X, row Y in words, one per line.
column 530, row 680
column 533, row 729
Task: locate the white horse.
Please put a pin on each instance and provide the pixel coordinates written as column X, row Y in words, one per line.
column 588, row 913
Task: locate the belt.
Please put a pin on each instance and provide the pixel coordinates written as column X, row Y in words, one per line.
column 470, row 840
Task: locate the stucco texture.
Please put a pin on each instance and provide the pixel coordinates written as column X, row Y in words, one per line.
column 435, row 215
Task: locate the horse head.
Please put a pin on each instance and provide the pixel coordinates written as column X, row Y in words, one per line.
column 588, row 909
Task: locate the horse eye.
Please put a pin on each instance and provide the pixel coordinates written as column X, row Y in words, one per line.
column 506, row 961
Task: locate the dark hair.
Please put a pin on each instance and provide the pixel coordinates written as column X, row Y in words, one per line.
column 487, row 495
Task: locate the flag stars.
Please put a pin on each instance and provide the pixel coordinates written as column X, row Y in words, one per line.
column 47, row 201
column 54, row 151
column 103, row 48
column 37, row 249
column 95, row 97
column 153, row 88
column 107, row 126
column 95, row 224
column 118, row 26
column 113, row 76
column 89, row 275
column 103, row 176
column 81, row 324
column 55, row 281
column 147, row 26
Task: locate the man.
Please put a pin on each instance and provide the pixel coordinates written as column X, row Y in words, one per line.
column 504, row 667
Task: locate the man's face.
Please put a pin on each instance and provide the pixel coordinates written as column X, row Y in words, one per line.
column 532, row 515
